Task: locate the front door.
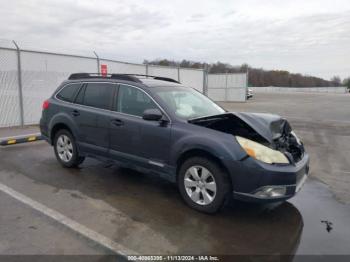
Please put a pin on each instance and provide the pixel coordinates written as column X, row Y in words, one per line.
column 134, row 139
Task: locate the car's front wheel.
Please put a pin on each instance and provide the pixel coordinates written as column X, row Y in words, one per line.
column 66, row 150
column 203, row 184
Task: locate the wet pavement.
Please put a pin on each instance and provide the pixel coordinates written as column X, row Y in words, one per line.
column 326, row 221
column 25, row 231
column 146, row 214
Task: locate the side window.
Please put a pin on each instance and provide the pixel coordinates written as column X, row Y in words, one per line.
column 97, row 95
column 68, row 92
column 132, row 101
column 80, row 96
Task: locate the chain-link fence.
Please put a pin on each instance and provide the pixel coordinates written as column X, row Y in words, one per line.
column 10, row 109
column 29, row 77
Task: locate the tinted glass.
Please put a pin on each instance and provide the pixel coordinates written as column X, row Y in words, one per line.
column 98, row 95
column 132, row 101
column 68, row 92
column 80, row 96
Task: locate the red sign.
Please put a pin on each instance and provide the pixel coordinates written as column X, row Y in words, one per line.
column 104, row 70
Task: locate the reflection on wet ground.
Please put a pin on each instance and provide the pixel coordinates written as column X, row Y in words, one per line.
column 146, row 213
column 239, row 229
column 326, row 221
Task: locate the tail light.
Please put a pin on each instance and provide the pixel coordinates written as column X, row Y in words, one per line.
column 46, row 104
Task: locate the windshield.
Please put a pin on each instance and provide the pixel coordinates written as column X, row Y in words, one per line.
column 188, row 103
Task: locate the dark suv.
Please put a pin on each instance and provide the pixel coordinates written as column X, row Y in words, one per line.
column 156, row 125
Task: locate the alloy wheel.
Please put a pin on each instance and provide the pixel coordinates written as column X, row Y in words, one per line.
column 64, row 148
column 200, row 185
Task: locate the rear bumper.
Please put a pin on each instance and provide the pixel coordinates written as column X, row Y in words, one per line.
column 280, row 182
column 44, row 131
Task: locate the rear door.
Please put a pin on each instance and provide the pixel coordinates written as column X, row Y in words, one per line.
column 133, row 138
column 92, row 114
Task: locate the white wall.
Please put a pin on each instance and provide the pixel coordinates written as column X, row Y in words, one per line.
column 192, row 78
column 227, row 87
column 331, row 89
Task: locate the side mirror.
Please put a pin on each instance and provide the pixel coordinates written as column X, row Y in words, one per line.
column 152, row 114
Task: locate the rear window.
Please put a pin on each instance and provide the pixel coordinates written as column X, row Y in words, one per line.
column 98, row 95
column 68, row 92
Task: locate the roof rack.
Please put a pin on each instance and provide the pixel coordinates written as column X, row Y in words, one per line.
column 127, row 77
column 155, row 77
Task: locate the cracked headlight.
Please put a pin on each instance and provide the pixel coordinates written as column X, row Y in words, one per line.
column 261, row 152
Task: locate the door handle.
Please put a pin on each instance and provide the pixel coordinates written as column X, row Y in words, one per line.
column 117, row 122
column 75, row 113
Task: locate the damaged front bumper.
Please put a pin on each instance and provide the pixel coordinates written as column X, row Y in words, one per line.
column 256, row 181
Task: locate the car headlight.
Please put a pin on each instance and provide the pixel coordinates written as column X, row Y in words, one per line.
column 261, row 152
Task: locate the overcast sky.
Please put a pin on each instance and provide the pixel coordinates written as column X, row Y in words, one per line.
column 310, row 37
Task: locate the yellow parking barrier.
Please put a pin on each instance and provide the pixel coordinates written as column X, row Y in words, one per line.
column 20, row 139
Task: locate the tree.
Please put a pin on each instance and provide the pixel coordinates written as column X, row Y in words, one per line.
column 257, row 76
column 346, row 82
column 336, row 80
column 244, row 68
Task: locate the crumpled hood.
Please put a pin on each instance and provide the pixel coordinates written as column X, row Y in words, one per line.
column 269, row 130
column 268, row 126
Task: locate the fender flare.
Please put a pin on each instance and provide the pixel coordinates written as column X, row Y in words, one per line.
column 63, row 119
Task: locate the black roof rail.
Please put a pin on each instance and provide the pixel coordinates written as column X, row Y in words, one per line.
column 156, row 77
column 166, row 79
column 127, row 77
column 82, row 75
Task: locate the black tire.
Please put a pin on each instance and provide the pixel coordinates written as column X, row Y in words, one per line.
column 75, row 159
column 81, row 159
column 223, row 184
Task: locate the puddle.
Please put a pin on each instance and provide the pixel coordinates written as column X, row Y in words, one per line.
column 326, row 221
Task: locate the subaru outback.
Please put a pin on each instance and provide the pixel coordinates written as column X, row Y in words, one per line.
column 157, row 125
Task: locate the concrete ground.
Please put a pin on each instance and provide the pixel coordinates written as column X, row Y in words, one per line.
column 25, row 231
column 118, row 209
column 17, row 131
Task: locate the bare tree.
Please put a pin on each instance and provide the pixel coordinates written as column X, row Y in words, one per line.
column 346, row 82
column 336, row 80
column 257, row 76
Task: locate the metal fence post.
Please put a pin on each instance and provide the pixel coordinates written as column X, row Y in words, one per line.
column 178, row 73
column 147, row 69
column 20, row 85
column 247, row 84
column 226, row 86
column 205, row 80
column 98, row 62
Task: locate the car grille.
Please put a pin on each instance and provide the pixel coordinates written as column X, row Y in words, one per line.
column 289, row 144
column 297, row 153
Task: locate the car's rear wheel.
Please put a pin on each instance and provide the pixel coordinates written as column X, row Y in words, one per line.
column 203, row 184
column 66, row 150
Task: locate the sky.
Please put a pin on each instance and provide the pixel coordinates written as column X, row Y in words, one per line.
column 308, row 37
